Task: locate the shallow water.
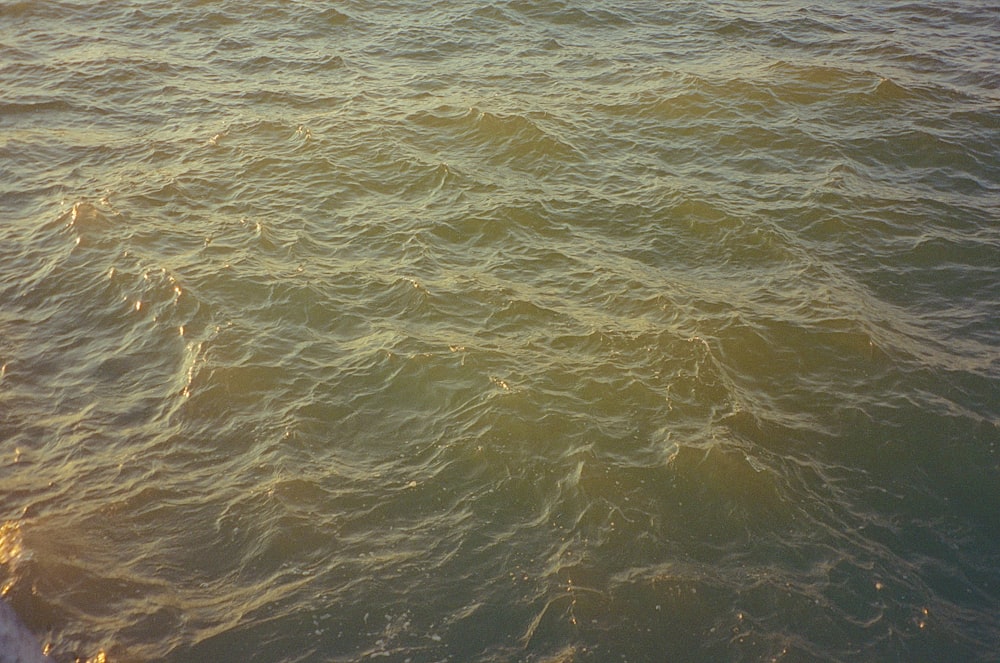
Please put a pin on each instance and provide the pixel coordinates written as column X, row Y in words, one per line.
column 544, row 331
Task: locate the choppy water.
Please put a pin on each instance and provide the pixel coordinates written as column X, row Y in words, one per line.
column 543, row 331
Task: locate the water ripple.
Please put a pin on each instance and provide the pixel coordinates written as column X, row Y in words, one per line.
column 535, row 331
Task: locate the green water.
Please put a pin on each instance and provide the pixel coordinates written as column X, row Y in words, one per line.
column 540, row 331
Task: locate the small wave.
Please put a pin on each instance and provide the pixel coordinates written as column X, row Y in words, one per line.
column 27, row 9
column 289, row 65
column 889, row 90
column 37, row 107
column 559, row 12
column 515, row 140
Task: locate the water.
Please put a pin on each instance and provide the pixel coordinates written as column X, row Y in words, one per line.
column 542, row 331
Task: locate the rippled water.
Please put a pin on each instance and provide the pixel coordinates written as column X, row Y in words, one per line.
column 543, row 331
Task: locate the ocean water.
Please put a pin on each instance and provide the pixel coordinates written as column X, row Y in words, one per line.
column 543, row 330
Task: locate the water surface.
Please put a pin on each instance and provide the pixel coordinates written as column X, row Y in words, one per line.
column 542, row 331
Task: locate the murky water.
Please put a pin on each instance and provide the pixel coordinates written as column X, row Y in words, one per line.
column 543, row 331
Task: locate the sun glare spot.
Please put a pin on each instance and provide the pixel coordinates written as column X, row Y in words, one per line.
column 10, row 543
